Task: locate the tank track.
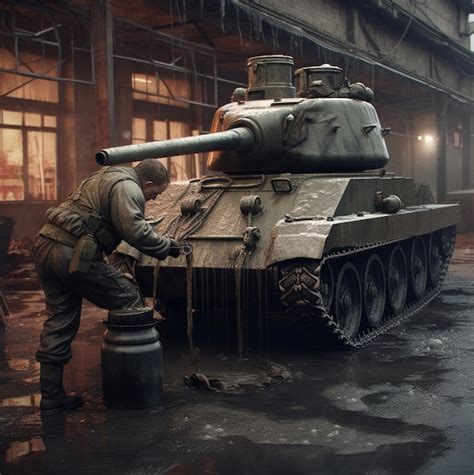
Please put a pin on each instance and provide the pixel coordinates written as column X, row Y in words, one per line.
column 300, row 293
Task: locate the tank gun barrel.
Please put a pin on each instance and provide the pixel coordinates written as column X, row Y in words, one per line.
column 241, row 139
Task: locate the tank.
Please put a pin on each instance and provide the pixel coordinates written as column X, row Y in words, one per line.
column 299, row 219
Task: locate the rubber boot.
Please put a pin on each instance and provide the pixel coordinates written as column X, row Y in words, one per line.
column 53, row 398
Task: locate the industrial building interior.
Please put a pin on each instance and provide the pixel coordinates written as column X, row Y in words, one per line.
column 78, row 76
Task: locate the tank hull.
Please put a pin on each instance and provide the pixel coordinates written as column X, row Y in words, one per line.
column 315, row 240
column 322, row 213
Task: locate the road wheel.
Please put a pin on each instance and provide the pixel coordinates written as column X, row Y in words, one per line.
column 434, row 259
column 374, row 290
column 327, row 285
column 397, row 281
column 348, row 300
column 418, row 267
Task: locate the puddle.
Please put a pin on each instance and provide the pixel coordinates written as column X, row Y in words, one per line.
column 31, row 400
column 22, row 364
column 17, row 450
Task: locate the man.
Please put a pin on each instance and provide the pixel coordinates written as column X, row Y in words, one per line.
column 105, row 209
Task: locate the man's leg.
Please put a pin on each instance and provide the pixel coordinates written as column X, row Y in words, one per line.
column 60, row 328
column 105, row 286
column 55, row 348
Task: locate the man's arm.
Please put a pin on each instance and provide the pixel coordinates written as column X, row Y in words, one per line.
column 127, row 205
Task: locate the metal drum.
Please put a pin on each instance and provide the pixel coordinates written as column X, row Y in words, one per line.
column 132, row 360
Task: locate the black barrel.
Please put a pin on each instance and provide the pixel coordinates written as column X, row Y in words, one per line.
column 6, row 229
column 132, row 360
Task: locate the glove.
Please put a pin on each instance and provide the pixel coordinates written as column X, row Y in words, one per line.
column 175, row 249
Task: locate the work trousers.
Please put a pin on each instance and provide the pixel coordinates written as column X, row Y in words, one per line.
column 103, row 285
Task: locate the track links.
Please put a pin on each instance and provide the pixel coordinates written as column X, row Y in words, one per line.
column 300, row 292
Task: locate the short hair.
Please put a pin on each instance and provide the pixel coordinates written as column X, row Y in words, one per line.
column 152, row 170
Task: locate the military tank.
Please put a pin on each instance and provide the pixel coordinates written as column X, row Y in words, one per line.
column 299, row 200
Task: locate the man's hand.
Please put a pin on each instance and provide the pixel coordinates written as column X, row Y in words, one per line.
column 175, row 248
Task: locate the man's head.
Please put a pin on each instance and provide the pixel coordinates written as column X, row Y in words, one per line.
column 153, row 176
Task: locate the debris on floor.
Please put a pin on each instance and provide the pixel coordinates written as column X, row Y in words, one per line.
column 257, row 376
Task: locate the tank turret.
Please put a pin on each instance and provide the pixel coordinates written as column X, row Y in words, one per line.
column 275, row 132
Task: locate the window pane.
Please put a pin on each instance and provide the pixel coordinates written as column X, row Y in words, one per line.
column 12, row 118
column 180, row 164
column 12, row 85
column 11, row 165
column 160, row 132
column 42, row 181
column 33, row 120
column 160, row 88
column 49, row 121
column 138, row 130
column 139, row 82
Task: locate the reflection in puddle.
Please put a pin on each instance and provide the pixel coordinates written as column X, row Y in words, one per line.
column 23, row 365
column 31, row 400
column 17, row 450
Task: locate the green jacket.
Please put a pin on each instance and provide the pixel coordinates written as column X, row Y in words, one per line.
column 110, row 205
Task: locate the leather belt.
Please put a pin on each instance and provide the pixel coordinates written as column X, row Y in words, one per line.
column 55, row 233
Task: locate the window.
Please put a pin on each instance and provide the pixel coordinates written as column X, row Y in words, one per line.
column 154, row 88
column 28, row 156
column 22, row 87
column 28, row 139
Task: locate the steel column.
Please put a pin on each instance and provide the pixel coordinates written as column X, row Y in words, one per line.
column 467, row 154
column 104, row 72
column 441, row 169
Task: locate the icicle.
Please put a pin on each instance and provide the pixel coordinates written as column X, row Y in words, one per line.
column 237, row 16
column 222, row 12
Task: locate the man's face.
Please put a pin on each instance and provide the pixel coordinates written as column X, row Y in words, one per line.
column 151, row 191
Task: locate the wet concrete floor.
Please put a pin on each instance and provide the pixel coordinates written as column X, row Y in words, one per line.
column 403, row 404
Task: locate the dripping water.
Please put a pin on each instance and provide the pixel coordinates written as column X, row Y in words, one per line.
column 226, row 308
column 156, row 271
column 214, row 291
column 239, row 263
column 208, row 303
column 248, row 275
column 266, row 339
column 260, row 313
column 203, row 303
column 189, row 311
